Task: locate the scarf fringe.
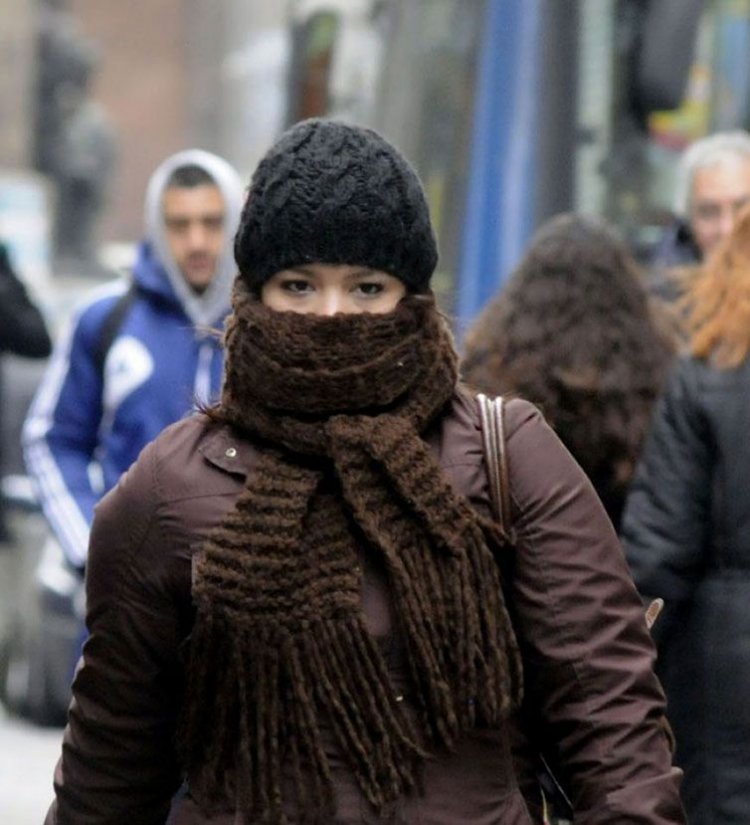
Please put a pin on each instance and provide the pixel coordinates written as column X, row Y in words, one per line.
column 263, row 702
column 477, row 676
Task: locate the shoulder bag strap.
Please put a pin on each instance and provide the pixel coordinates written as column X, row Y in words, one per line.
column 491, row 411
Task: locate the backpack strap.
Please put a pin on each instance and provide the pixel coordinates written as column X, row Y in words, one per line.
column 112, row 324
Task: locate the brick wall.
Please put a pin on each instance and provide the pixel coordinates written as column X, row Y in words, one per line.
column 143, row 84
column 16, row 78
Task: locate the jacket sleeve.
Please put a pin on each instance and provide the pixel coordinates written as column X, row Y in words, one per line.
column 118, row 763
column 668, row 511
column 60, row 437
column 588, row 656
column 23, row 329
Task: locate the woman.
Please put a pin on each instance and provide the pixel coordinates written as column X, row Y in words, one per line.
column 294, row 604
column 573, row 332
column 685, row 531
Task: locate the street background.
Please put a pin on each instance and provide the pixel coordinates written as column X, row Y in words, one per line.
column 27, row 760
column 511, row 111
column 28, row 752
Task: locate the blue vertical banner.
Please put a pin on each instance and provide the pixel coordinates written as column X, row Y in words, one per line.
column 499, row 217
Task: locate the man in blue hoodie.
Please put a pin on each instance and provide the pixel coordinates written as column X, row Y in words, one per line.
column 140, row 354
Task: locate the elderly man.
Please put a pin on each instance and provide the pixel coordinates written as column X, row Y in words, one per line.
column 713, row 184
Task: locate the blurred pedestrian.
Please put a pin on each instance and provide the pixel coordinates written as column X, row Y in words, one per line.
column 74, row 142
column 686, row 531
column 138, row 353
column 573, row 332
column 713, row 184
column 23, row 331
column 294, row 602
column 85, row 161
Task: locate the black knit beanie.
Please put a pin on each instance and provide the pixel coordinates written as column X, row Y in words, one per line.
column 333, row 193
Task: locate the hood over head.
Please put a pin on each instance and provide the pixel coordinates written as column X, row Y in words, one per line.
column 206, row 307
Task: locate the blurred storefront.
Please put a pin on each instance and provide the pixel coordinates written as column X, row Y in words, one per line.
column 24, row 195
column 16, row 79
column 511, row 110
column 697, row 61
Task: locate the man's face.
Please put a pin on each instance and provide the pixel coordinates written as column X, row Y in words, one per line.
column 718, row 193
column 194, row 225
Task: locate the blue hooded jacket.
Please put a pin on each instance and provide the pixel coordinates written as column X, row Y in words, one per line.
column 88, row 423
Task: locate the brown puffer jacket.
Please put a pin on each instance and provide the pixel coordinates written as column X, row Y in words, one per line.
column 588, row 655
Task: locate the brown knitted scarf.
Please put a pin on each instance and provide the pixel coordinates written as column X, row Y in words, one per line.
column 279, row 649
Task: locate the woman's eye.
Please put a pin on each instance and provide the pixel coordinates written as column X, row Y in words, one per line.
column 295, row 286
column 370, row 288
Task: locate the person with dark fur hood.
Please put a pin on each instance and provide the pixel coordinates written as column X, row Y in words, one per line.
column 23, row 331
column 574, row 332
column 300, row 607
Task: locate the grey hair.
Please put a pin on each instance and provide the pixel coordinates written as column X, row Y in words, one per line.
column 708, row 151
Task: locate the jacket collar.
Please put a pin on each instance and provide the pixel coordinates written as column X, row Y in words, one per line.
column 227, row 450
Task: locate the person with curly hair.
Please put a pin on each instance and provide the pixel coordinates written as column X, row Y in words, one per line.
column 573, row 331
column 686, row 533
column 299, row 602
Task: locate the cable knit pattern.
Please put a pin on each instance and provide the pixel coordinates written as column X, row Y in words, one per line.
column 329, row 192
column 280, row 649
